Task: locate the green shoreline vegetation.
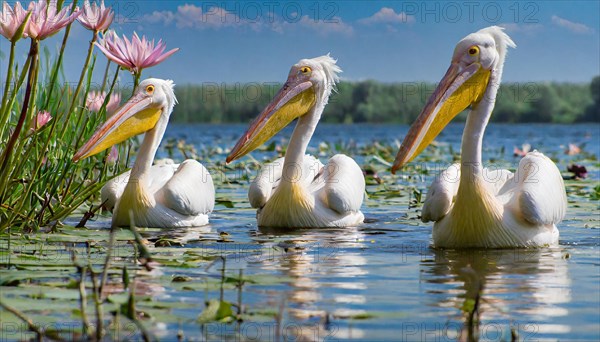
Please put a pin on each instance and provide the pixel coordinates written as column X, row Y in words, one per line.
column 375, row 102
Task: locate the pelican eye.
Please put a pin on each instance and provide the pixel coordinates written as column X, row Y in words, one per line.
column 305, row 70
column 473, row 50
column 150, row 89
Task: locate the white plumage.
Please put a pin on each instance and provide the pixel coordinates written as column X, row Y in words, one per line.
column 473, row 206
column 163, row 195
column 530, row 202
column 298, row 190
column 183, row 196
column 334, row 194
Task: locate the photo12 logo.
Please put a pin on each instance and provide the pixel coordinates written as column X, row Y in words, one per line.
column 277, row 12
column 493, row 12
column 269, row 11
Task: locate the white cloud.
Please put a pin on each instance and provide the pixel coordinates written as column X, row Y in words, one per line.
column 157, row 17
column 388, row 16
column 571, row 25
column 522, row 28
column 333, row 26
column 193, row 17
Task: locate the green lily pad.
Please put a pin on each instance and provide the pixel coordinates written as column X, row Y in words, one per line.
column 216, row 311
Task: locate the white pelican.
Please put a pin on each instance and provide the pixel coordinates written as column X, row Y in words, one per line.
column 297, row 190
column 168, row 195
column 470, row 205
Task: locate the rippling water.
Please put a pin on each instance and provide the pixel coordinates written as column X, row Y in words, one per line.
column 382, row 280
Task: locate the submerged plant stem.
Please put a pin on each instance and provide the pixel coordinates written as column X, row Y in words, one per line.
column 30, row 324
column 97, row 304
column 111, row 242
column 83, row 301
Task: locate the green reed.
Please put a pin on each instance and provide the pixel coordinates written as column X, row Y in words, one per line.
column 40, row 185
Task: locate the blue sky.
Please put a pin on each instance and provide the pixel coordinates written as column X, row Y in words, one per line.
column 389, row 41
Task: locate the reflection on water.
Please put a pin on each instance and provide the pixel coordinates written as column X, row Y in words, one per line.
column 319, row 262
column 187, row 234
column 494, row 289
column 378, row 283
column 381, row 281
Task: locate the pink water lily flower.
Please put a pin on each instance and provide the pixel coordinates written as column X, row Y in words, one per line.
column 95, row 100
column 41, row 119
column 96, row 18
column 135, row 54
column 572, row 150
column 11, row 19
column 46, row 20
column 521, row 152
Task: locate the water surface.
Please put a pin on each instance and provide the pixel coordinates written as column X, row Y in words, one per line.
column 382, row 280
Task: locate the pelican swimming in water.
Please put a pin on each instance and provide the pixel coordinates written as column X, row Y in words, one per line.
column 297, row 190
column 473, row 206
column 168, row 195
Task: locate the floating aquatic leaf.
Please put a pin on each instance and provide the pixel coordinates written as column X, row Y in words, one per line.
column 180, row 279
column 216, row 311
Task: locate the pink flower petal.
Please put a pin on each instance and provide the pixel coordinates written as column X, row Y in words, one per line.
column 46, row 19
column 96, row 18
column 133, row 54
column 11, row 19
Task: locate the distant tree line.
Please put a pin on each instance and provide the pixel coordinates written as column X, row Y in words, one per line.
column 376, row 102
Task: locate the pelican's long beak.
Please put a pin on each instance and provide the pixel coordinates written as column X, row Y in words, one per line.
column 293, row 100
column 135, row 117
column 460, row 88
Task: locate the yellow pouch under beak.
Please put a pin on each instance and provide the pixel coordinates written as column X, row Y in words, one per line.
column 453, row 95
column 112, row 133
column 269, row 123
